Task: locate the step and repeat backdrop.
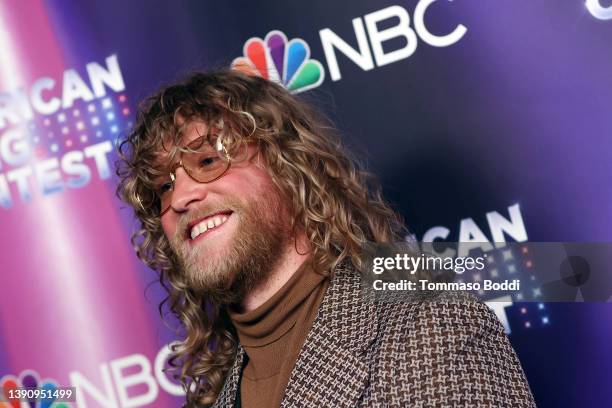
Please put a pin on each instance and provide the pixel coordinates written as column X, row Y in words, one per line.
column 486, row 121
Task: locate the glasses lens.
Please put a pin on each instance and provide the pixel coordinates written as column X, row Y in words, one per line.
column 204, row 160
column 149, row 200
column 163, row 190
column 236, row 147
column 206, row 163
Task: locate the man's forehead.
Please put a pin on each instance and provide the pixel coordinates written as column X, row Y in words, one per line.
column 189, row 131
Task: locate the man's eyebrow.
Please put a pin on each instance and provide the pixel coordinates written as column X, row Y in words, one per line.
column 161, row 161
column 162, row 152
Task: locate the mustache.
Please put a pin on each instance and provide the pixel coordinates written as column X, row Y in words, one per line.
column 204, row 210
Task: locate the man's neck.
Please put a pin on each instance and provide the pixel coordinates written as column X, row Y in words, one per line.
column 282, row 271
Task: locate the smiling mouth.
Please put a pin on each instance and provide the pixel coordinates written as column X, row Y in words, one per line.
column 207, row 223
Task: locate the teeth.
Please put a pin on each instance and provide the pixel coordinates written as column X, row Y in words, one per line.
column 205, row 225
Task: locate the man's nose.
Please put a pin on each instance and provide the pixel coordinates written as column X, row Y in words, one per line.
column 186, row 192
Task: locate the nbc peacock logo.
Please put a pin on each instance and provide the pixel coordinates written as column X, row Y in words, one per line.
column 277, row 59
column 31, row 380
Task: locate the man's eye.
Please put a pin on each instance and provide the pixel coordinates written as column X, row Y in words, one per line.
column 208, row 161
column 164, row 188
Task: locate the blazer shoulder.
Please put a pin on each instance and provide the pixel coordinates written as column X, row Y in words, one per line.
column 451, row 350
column 449, row 315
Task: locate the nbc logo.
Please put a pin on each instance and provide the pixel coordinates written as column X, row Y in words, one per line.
column 28, row 379
column 289, row 63
column 286, row 62
column 598, row 10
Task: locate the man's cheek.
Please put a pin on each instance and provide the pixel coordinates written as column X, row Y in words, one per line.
column 168, row 226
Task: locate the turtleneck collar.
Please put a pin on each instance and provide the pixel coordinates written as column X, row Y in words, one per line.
column 270, row 321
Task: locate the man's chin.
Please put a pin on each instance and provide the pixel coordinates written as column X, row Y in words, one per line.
column 209, row 272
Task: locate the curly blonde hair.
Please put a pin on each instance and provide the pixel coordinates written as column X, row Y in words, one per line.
column 336, row 203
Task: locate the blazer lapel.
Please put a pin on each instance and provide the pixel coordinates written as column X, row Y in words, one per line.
column 227, row 396
column 332, row 369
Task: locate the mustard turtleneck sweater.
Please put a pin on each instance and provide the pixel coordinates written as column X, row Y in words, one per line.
column 272, row 336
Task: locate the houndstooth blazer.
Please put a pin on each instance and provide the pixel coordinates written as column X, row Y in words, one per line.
column 366, row 353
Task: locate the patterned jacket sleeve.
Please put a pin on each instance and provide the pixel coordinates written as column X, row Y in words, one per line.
column 452, row 353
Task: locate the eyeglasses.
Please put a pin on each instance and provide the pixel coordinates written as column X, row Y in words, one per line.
column 204, row 160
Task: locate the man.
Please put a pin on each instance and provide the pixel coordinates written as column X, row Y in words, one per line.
column 255, row 218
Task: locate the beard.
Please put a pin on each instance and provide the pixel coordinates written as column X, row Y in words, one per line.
column 245, row 261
